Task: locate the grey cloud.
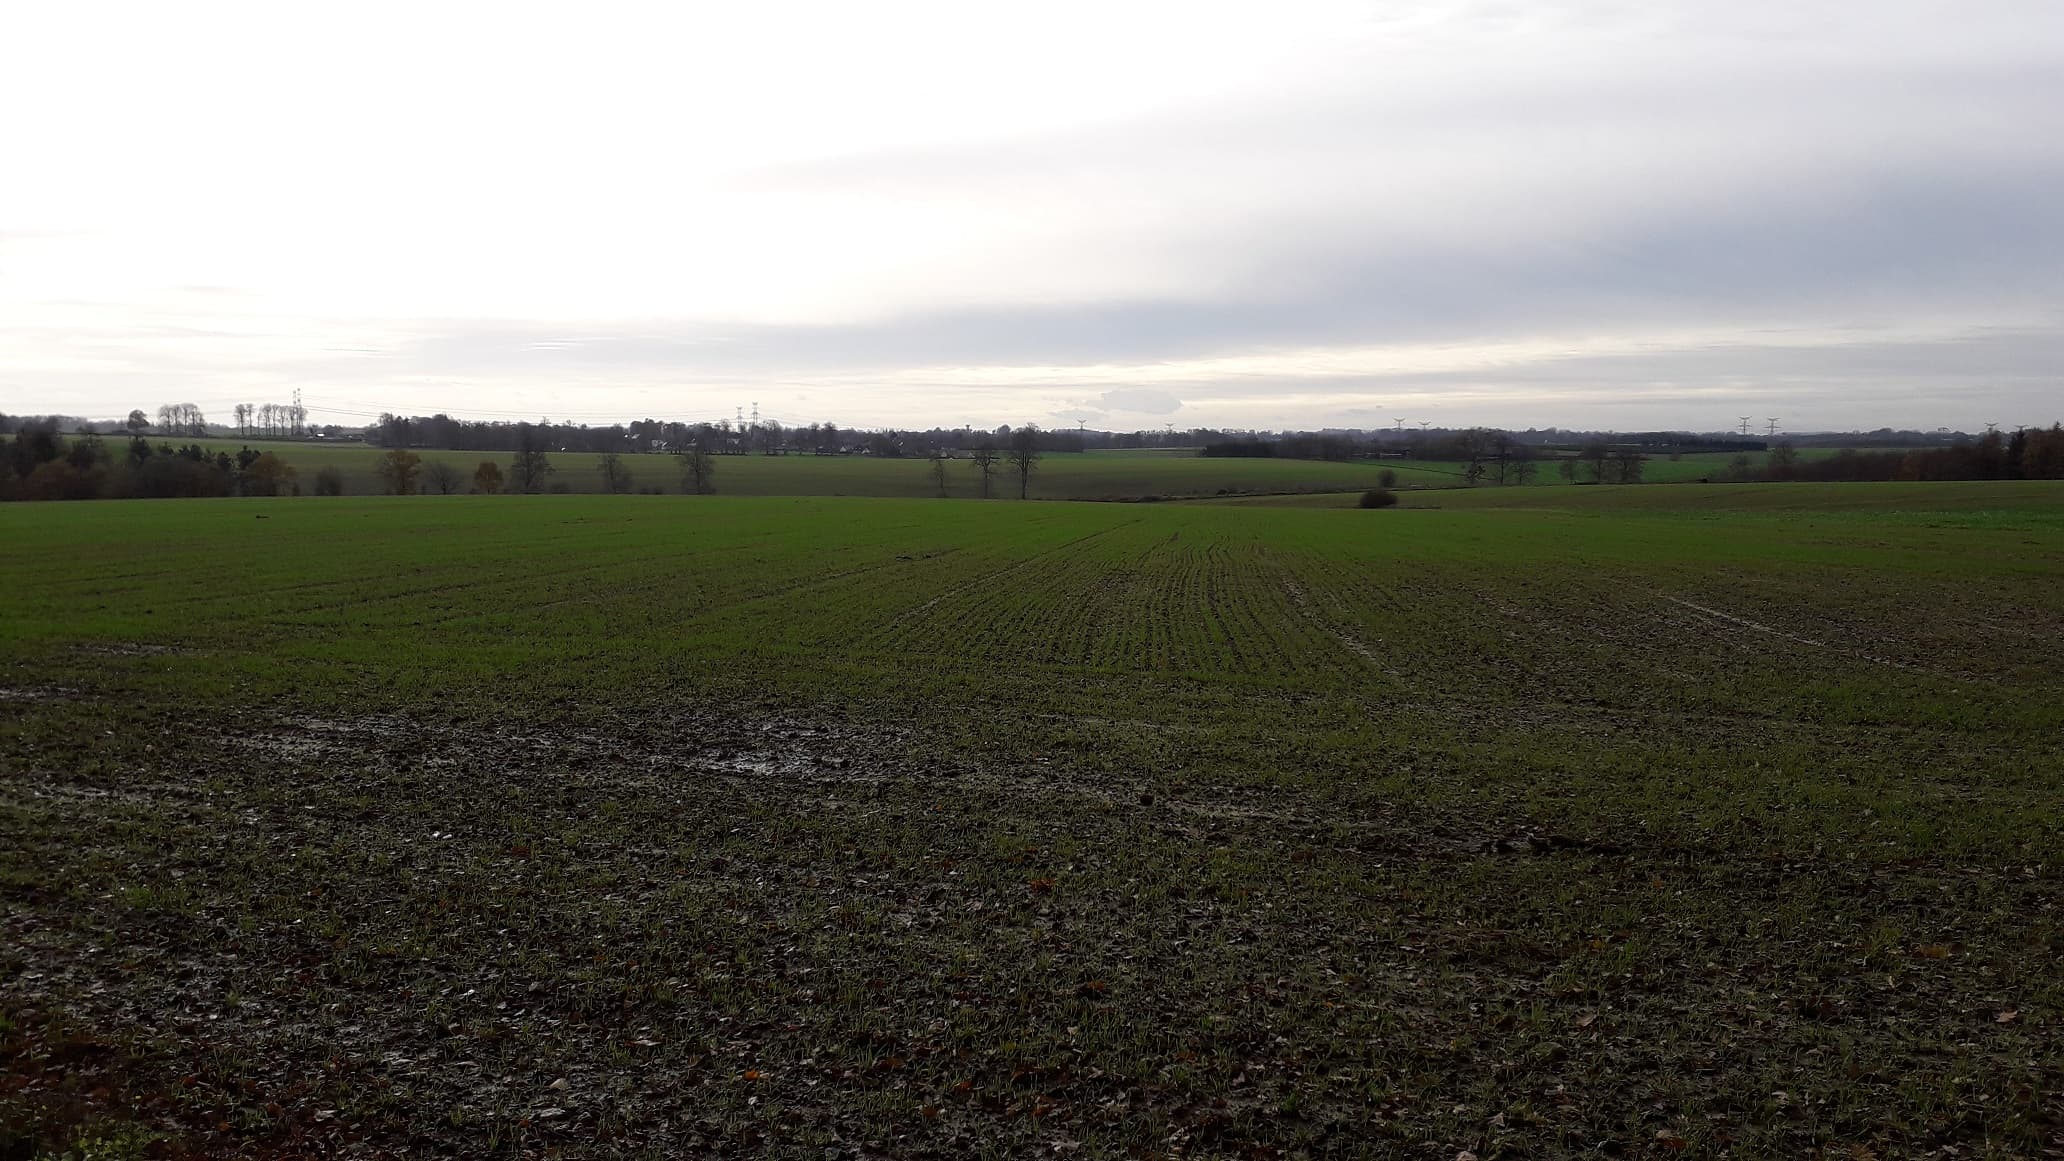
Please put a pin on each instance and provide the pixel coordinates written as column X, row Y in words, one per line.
column 1762, row 163
column 1144, row 400
column 1901, row 95
column 1916, row 243
column 1723, row 167
column 1126, row 402
column 1862, row 380
column 1081, row 415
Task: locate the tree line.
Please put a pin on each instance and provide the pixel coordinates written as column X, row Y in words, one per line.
column 766, row 437
column 402, row 472
column 1293, row 446
column 2031, row 453
column 40, row 464
column 771, row 437
column 271, row 420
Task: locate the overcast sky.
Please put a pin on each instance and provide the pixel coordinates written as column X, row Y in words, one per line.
column 1595, row 214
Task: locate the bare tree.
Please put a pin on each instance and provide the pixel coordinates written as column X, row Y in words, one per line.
column 616, row 475
column 268, row 475
column 529, row 467
column 1504, row 454
column 938, row 469
column 1512, row 459
column 182, row 419
column 1024, row 457
column 1474, row 443
column 397, row 471
column 984, row 457
column 1595, row 454
column 698, row 472
column 1783, row 461
column 1626, row 465
column 487, row 478
column 442, row 476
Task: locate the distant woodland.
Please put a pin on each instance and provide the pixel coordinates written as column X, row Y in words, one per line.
column 42, row 462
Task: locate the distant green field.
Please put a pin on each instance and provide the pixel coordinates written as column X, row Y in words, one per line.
column 1099, row 475
column 1961, row 495
column 1111, row 475
column 2037, row 497
column 1677, row 820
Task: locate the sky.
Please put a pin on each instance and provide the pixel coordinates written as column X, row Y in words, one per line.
column 1593, row 214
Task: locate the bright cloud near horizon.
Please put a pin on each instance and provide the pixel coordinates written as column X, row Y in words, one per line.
column 1592, row 213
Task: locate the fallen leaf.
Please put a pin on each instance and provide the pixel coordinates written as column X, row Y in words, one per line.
column 2009, row 1016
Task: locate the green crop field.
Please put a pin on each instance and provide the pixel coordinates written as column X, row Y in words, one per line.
column 1674, row 820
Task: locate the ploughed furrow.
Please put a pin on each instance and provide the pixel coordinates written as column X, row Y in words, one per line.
column 1199, row 600
column 976, row 610
column 1200, row 605
column 1254, row 603
column 1896, row 623
column 1402, row 623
